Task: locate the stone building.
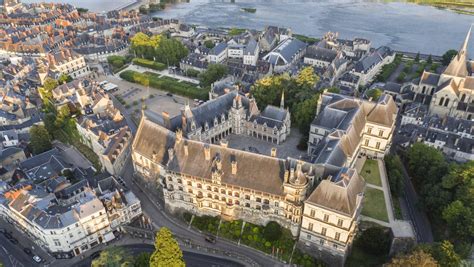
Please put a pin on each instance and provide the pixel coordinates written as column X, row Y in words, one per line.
column 210, row 179
column 450, row 93
column 231, row 113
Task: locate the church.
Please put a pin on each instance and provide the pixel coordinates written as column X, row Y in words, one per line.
column 451, row 92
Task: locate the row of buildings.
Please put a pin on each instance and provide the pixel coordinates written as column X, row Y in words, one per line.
column 318, row 200
column 63, row 205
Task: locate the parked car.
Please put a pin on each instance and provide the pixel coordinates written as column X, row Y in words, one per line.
column 27, row 251
column 7, row 235
column 95, row 255
column 37, row 259
column 169, row 94
column 13, row 240
column 211, row 239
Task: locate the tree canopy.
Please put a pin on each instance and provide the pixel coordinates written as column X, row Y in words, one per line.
column 448, row 56
column 40, row 139
column 158, row 47
column 113, row 257
column 272, row 231
column 414, row 259
column 374, row 94
column 213, row 73
column 167, row 252
column 375, row 240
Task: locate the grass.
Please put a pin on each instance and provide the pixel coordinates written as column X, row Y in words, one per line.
column 374, row 204
column 371, row 173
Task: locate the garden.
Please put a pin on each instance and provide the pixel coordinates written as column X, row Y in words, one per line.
column 166, row 84
column 149, row 64
column 374, row 204
column 271, row 238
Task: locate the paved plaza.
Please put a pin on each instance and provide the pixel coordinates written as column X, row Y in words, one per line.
column 252, row 144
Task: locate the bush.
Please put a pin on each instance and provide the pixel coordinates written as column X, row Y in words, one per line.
column 149, row 64
column 388, row 69
column 192, row 73
column 394, row 168
column 401, row 77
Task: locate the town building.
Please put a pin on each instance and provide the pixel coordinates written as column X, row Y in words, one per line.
column 371, row 64
column 218, row 53
column 69, row 63
column 286, row 54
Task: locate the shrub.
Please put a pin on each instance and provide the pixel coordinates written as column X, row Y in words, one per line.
column 149, row 64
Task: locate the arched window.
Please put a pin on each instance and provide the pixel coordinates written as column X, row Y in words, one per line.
column 441, row 101
column 446, row 102
column 432, row 91
column 424, row 89
column 463, row 97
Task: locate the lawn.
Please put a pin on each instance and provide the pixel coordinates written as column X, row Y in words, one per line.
column 371, row 173
column 374, row 204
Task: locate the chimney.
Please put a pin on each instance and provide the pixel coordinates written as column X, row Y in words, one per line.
column 274, row 152
column 224, row 143
column 166, row 119
column 186, row 151
column 234, row 167
column 207, row 152
column 179, row 136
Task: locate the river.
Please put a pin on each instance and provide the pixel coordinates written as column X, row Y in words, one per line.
column 402, row 26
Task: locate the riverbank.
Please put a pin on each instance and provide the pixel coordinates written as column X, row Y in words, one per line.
column 460, row 7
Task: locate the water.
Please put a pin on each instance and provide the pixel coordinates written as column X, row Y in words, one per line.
column 92, row 5
column 402, row 26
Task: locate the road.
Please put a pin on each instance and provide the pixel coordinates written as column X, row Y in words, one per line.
column 192, row 259
column 12, row 255
column 153, row 208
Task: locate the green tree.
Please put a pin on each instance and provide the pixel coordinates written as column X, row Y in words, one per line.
column 306, row 78
column 167, row 252
column 272, row 231
column 40, row 139
column 170, row 51
column 448, row 56
column 209, row 44
column 460, row 219
column 374, row 94
column 414, row 259
column 48, row 86
column 213, row 73
column 266, row 91
column 113, row 257
column 64, row 78
column 395, row 176
column 445, row 255
column 142, row 260
column 417, row 57
column 426, row 164
column 429, row 61
column 334, row 90
column 375, row 240
column 304, row 113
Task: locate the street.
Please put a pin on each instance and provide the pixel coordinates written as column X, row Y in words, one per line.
column 192, row 259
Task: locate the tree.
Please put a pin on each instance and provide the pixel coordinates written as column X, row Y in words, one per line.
column 460, row 219
column 429, row 61
column 48, row 86
column 64, row 78
column 375, row 240
column 142, row 260
column 213, row 73
column 426, row 164
column 304, row 113
column 40, row 139
column 374, row 94
column 415, row 259
column 395, row 177
column 167, row 251
column 170, row 51
column 113, row 257
column 209, row 44
column 334, row 90
column 417, row 57
column 446, row 256
column 272, row 231
column 306, row 79
column 448, row 56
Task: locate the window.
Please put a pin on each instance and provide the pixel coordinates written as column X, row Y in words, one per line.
column 309, row 237
column 199, row 186
column 180, row 188
column 247, row 197
column 236, row 194
column 380, row 132
column 266, row 201
column 323, row 231
column 170, row 179
column 338, row 235
column 377, row 145
column 321, row 242
column 189, row 183
column 446, row 102
column 208, row 188
column 366, row 142
column 441, row 101
column 312, row 213
column 258, row 207
column 326, row 217
column 369, row 130
column 190, row 191
column 179, row 181
column 339, row 223
column 247, row 205
column 277, row 204
column 222, row 191
column 334, row 246
column 310, row 226
column 259, row 200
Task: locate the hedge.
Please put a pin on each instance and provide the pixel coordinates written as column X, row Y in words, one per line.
column 166, row 84
column 149, row 64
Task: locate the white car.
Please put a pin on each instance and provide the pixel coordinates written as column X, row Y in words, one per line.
column 37, row 259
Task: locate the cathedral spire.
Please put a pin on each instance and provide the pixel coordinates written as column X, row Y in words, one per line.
column 458, row 65
column 282, row 101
